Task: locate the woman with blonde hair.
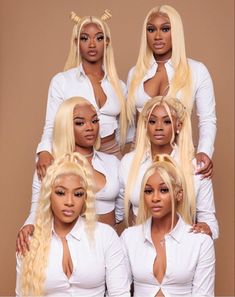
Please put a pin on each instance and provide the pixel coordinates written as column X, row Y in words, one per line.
column 76, row 129
column 68, row 242
column 164, row 127
column 162, row 68
column 164, row 258
column 89, row 72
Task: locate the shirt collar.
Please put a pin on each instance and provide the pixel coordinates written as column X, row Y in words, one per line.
column 176, row 233
column 76, row 231
column 174, row 154
column 81, row 73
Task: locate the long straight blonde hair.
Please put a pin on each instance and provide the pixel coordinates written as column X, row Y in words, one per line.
column 173, row 177
column 32, row 273
column 181, row 80
column 63, row 133
column 183, row 141
column 74, row 59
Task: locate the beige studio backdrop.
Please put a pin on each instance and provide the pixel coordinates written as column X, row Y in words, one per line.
column 35, row 37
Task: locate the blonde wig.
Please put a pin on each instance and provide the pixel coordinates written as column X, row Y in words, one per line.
column 63, row 133
column 74, row 59
column 181, row 80
column 183, row 140
column 32, row 274
column 173, row 177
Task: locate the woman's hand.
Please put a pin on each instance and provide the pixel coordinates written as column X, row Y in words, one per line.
column 204, row 165
column 22, row 241
column 44, row 160
column 201, row 228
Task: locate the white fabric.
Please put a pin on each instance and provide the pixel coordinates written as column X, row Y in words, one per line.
column 73, row 83
column 190, row 266
column 93, row 265
column 205, row 207
column 203, row 96
column 107, row 199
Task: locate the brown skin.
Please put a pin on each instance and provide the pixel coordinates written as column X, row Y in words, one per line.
column 86, row 130
column 159, row 130
column 91, row 44
column 159, row 41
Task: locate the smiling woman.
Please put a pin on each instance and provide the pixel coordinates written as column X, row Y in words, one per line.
column 67, row 240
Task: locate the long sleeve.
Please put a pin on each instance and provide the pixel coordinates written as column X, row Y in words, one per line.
column 116, row 275
column 34, row 202
column 55, row 98
column 205, row 207
column 205, row 104
column 119, row 203
column 204, row 277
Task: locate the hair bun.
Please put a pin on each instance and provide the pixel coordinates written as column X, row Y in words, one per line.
column 74, row 17
column 106, row 16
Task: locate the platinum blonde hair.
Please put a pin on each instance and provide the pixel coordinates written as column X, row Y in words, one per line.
column 74, row 59
column 32, row 274
column 181, row 80
column 183, row 140
column 173, row 177
column 63, row 133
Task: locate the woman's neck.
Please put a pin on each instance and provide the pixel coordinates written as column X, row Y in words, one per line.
column 164, row 225
column 62, row 228
column 93, row 68
column 85, row 151
column 166, row 149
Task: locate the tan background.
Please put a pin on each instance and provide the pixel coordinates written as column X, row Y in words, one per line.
column 35, row 38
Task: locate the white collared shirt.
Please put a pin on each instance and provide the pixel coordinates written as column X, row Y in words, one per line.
column 73, row 83
column 190, row 262
column 202, row 93
column 107, row 199
column 94, row 265
column 205, row 206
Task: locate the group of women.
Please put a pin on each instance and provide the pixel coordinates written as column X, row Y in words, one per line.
column 107, row 222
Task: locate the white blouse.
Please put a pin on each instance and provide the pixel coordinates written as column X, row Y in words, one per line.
column 203, row 95
column 107, row 199
column 94, row 264
column 205, row 206
column 73, row 83
column 190, row 262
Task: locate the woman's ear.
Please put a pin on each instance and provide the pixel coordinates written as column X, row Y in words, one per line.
column 179, row 195
column 107, row 41
column 178, row 126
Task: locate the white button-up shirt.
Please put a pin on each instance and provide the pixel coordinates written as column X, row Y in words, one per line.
column 205, row 206
column 190, row 262
column 94, row 264
column 107, row 199
column 202, row 94
column 73, row 83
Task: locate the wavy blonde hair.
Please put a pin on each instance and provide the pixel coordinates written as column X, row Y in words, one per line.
column 173, row 177
column 74, row 59
column 181, row 80
column 183, row 140
column 32, row 274
column 63, row 133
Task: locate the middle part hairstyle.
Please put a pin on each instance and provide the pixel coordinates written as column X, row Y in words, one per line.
column 173, row 177
column 181, row 80
column 33, row 268
column 63, row 133
column 183, row 141
column 74, row 59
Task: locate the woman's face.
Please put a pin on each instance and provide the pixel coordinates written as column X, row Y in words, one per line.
column 159, row 127
column 86, row 126
column 157, row 197
column 91, row 43
column 67, row 198
column 159, row 37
